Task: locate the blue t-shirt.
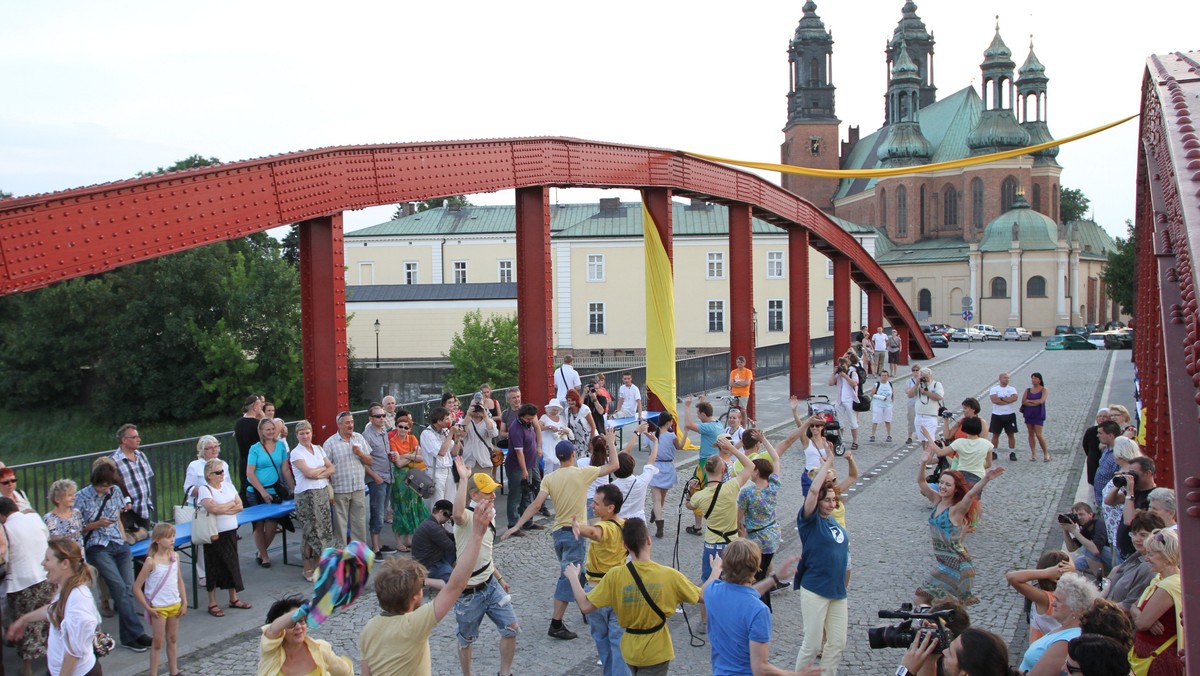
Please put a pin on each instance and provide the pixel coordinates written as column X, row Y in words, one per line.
column 736, row 616
column 1038, row 647
column 264, row 468
column 708, row 439
column 826, row 547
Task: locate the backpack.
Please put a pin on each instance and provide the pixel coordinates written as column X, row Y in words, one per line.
column 864, row 400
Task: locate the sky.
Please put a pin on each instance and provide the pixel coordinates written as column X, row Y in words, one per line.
column 95, row 92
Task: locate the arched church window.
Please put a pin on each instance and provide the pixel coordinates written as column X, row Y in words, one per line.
column 949, row 205
column 999, row 287
column 977, row 203
column 1035, row 287
column 901, row 211
column 925, row 301
column 1008, row 193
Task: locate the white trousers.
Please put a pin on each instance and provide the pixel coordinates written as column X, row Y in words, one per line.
column 819, row 613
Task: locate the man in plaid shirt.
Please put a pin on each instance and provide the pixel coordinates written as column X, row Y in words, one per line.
column 348, row 451
column 133, row 476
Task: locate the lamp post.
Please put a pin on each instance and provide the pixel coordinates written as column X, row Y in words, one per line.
column 755, row 343
column 376, row 343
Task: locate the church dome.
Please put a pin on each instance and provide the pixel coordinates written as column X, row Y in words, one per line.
column 811, row 27
column 997, row 130
column 905, row 145
column 1021, row 227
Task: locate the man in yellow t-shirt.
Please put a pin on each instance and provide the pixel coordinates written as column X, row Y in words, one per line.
column 396, row 643
column 718, row 504
column 607, row 552
column 740, row 379
column 646, row 645
column 568, row 486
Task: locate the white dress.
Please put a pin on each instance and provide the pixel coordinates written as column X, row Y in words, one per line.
column 550, row 439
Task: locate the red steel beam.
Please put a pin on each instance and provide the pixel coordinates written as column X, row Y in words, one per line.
column 874, row 310
column 841, row 305
column 323, row 323
column 741, row 289
column 658, row 203
column 800, row 346
column 534, row 339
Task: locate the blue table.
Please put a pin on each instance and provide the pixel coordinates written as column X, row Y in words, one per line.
column 183, row 537
column 619, row 424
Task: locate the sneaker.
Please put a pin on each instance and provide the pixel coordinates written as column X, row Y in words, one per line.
column 781, row 586
column 658, row 529
column 388, row 550
column 872, row 439
column 1012, row 455
column 145, row 640
column 889, row 439
column 562, row 632
column 135, row 646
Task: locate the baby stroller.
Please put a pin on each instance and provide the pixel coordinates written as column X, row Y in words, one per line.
column 820, row 405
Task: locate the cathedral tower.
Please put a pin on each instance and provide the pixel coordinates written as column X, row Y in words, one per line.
column 811, row 134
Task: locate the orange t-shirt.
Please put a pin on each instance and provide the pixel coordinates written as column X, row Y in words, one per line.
column 405, row 445
column 741, row 374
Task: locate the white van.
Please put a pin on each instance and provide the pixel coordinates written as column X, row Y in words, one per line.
column 989, row 332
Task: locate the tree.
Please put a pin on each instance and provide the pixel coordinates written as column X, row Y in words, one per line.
column 291, row 245
column 1120, row 280
column 485, row 352
column 5, row 195
column 192, row 162
column 435, row 203
column 1073, row 205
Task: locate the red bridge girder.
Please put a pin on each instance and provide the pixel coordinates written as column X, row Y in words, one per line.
column 58, row 236
column 1166, row 322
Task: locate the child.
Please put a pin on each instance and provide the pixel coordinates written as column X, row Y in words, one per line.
column 159, row 588
column 881, row 405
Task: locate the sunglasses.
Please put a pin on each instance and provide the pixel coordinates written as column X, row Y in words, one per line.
column 1074, row 669
column 10, row 482
column 402, row 427
column 220, row 471
column 378, row 415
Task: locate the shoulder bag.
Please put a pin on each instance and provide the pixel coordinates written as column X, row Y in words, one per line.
column 107, row 497
column 497, row 454
column 204, row 525
column 282, row 492
column 662, row 617
column 184, row 513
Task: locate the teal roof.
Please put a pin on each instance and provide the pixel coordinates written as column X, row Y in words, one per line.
column 945, row 250
column 1093, row 241
column 946, row 124
column 1035, row 230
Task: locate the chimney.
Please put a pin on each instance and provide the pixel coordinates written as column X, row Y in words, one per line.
column 850, row 142
column 610, row 205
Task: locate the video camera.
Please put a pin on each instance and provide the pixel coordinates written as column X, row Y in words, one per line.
column 903, row 634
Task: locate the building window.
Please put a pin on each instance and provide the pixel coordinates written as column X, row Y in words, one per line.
column 921, row 212
column 999, row 287
column 829, row 315
column 595, row 267
column 460, row 272
column 1054, row 203
column 774, row 265
column 596, row 319
column 775, row 315
column 1008, row 193
column 1037, row 197
column 883, row 208
column 410, row 273
column 1035, row 287
column 716, row 316
column 925, row 302
column 949, row 205
column 828, row 268
column 901, row 212
column 716, row 265
column 505, row 272
column 977, row 203
column 366, row 273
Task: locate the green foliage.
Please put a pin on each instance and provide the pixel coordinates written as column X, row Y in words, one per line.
column 1119, row 279
column 187, row 163
column 1073, row 205
column 291, row 245
column 435, row 203
column 5, row 195
column 485, row 352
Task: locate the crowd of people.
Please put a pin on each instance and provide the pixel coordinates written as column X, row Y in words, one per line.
column 1108, row 600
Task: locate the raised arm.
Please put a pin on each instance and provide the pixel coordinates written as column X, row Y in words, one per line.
column 796, row 435
column 614, row 461
column 853, row 472
column 776, row 458
column 810, row 500
column 571, row 572
column 794, row 403
column 926, row 459
column 1021, row 581
column 960, row 508
column 460, row 496
column 688, row 423
column 747, row 465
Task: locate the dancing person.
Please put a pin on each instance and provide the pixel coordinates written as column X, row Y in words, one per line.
column 160, row 591
column 634, row 487
column 268, row 472
column 1158, row 614
column 1033, row 408
column 970, row 409
column 953, row 507
column 1047, row 656
column 311, row 470
column 219, row 497
column 606, row 552
column 817, row 447
column 756, row 508
column 286, row 648
column 664, row 480
column 708, row 428
column 1038, row 585
column 972, row 454
column 821, row 579
column 71, row 613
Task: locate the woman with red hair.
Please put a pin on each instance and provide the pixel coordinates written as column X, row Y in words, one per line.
column 954, row 507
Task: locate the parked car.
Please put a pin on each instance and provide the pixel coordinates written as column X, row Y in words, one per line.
column 989, row 332
column 970, row 334
column 1017, row 333
column 1063, row 329
column 1123, row 339
column 1098, row 339
column 937, row 338
column 1069, row 341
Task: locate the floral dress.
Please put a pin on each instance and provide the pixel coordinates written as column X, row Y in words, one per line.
column 953, row 570
column 408, row 509
column 759, row 507
column 69, row 527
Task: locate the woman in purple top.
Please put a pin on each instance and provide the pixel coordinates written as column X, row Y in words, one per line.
column 1033, row 407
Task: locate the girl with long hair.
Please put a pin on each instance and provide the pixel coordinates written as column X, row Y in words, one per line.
column 72, row 612
column 1033, row 407
column 159, row 588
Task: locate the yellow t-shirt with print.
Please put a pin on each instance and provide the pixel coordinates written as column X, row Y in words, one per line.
column 607, row 552
column 737, row 464
column 568, row 486
column 667, row 586
column 723, row 518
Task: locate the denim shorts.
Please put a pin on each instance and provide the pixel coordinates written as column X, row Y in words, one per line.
column 709, row 550
column 491, row 601
column 568, row 549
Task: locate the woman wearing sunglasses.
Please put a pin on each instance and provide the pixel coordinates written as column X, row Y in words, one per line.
column 219, row 497
column 408, row 509
column 1158, row 614
column 8, row 489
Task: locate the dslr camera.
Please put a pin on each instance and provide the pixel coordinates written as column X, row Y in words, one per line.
column 903, row 634
column 1069, row 517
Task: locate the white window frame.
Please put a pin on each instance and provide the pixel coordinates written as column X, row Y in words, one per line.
column 595, row 267
column 367, row 267
column 595, row 308
column 778, row 308
column 828, row 268
column 412, row 272
column 711, row 259
column 456, row 267
column 506, row 265
column 719, row 307
column 829, row 313
column 775, row 265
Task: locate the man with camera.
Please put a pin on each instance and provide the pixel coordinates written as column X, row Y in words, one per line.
column 1131, row 488
column 846, row 379
column 1083, row 531
column 596, row 402
column 930, row 394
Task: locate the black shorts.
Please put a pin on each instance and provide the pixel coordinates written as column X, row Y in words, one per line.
column 1003, row 423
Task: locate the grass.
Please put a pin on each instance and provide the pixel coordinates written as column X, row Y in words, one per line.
column 44, row 435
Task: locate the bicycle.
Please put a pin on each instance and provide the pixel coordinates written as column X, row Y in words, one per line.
column 731, row 402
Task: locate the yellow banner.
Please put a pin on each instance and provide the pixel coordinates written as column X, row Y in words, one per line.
column 920, row 169
column 660, row 316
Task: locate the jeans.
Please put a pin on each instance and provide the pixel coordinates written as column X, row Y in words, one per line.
column 350, row 512
column 830, row 615
column 378, row 497
column 607, row 633
column 519, row 496
column 568, row 549
column 491, row 601
column 114, row 561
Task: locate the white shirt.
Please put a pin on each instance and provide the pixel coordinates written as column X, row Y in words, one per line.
column 567, row 378
column 431, row 443
column 927, row 405
column 628, row 395
column 879, row 341
column 313, row 460
column 1002, row 392
column 634, row 489
column 223, row 495
column 27, row 535
column 813, row 456
column 195, row 475
column 75, row 634
column 911, row 383
column 848, row 389
column 884, row 390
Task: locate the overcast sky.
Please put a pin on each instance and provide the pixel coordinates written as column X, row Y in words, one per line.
column 96, row 91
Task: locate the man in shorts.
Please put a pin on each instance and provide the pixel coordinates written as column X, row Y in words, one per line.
column 930, row 394
column 1004, row 414
column 911, row 386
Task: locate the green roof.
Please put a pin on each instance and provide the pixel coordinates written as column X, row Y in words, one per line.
column 1094, row 242
column 1035, row 230
column 944, row 250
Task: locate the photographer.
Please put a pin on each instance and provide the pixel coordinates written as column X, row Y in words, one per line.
column 1083, row 531
column 930, row 394
column 976, row 652
column 845, row 377
column 1131, row 487
column 596, row 402
column 903, row 635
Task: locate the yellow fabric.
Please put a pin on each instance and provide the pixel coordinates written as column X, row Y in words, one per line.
column 904, row 171
column 607, row 552
column 737, row 464
column 462, row 540
column 723, row 518
column 396, row 645
column 1141, row 433
column 667, row 586
column 689, row 445
column 172, row 610
column 741, row 374
column 270, row 656
column 1173, row 585
column 839, row 513
column 568, row 486
column 660, row 316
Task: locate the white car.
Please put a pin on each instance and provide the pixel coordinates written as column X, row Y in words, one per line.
column 1017, row 333
column 1096, row 339
column 989, row 332
column 971, row 335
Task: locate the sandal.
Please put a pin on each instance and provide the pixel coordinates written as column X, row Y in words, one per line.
column 240, row 605
column 216, row 611
column 692, row 530
column 854, row 447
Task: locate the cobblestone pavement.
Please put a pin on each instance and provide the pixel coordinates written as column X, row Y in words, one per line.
column 886, row 518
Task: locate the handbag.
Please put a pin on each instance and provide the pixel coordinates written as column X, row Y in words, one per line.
column 184, row 513
column 134, row 526
column 103, row 644
column 420, row 482
column 1140, row 666
column 204, row 526
column 282, row 492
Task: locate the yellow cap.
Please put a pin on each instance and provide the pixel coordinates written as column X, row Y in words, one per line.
column 484, row 483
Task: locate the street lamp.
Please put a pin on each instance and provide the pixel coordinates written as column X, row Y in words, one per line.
column 755, row 343
column 376, row 343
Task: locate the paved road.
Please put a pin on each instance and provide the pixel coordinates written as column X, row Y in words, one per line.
column 886, row 519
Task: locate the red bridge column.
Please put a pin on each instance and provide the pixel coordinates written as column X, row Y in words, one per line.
column 323, row 323
column 902, row 331
column 841, row 306
column 874, row 310
column 658, row 203
column 535, row 347
column 800, row 335
column 741, row 291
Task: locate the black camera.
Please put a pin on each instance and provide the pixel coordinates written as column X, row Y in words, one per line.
column 903, row 634
column 1119, row 481
column 1069, row 517
column 946, row 413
